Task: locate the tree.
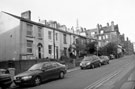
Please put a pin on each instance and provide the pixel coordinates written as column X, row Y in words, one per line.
column 91, row 48
column 80, row 47
column 110, row 48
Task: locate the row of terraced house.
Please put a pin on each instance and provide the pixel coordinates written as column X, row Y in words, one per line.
column 21, row 38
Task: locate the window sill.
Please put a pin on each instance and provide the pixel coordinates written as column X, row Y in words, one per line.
column 40, row 38
column 30, row 36
column 29, row 54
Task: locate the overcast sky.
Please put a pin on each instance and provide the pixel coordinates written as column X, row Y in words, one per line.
column 88, row 12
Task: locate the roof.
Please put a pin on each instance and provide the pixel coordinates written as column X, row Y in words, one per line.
column 40, row 24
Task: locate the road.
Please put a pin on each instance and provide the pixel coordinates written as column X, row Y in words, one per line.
column 110, row 76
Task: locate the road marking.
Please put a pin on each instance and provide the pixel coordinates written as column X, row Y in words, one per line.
column 91, row 86
column 110, row 84
column 105, row 79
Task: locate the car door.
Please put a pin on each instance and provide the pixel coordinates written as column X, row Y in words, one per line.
column 56, row 70
column 93, row 61
column 96, row 60
column 47, row 71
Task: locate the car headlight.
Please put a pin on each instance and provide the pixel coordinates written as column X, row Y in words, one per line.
column 80, row 64
column 26, row 77
column 88, row 63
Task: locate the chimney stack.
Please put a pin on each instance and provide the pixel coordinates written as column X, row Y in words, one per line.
column 26, row 15
column 98, row 26
column 112, row 26
column 107, row 24
column 112, row 23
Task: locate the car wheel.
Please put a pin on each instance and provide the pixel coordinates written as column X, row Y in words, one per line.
column 37, row 81
column 81, row 68
column 92, row 66
column 99, row 64
column 61, row 75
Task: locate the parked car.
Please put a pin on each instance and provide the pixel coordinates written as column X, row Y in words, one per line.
column 104, row 60
column 111, row 56
column 90, row 62
column 5, row 80
column 40, row 72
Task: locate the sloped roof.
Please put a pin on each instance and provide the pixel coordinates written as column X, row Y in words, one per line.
column 40, row 24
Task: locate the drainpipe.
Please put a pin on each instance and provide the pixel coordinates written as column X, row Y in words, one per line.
column 54, row 42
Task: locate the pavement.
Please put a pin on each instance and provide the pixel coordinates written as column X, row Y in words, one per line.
column 130, row 83
column 73, row 69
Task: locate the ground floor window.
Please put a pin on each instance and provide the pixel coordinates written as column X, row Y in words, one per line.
column 50, row 49
column 29, row 46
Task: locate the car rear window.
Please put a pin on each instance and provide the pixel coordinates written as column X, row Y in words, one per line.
column 87, row 58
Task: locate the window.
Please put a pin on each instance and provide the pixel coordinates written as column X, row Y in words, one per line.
column 40, row 32
column 29, row 30
column 29, row 46
column 50, row 49
column 106, row 36
column 64, row 38
column 101, row 32
column 99, row 37
column 49, row 35
column 103, row 37
column 92, row 33
column 56, row 36
column 73, row 38
column 47, row 66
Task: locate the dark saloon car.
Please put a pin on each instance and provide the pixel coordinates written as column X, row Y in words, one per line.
column 104, row 60
column 40, row 72
column 90, row 62
column 5, row 81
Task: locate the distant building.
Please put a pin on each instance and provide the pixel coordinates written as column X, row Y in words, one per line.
column 128, row 46
column 105, row 34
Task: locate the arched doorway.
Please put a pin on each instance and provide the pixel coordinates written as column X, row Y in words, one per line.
column 40, row 50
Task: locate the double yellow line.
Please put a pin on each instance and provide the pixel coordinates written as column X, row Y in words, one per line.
column 105, row 79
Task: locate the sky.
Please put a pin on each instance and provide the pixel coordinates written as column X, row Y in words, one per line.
column 88, row 12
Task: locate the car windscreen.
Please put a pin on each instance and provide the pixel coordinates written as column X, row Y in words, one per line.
column 87, row 59
column 36, row 67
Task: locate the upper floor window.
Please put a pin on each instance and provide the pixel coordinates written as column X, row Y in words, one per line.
column 99, row 37
column 29, row 30
column 40, row 32
column 56, row 35
column 101, row 32
column 49, row 35
column 92, row 33
column 103, row 37
column 106, row 36
column 65, row 38
column 73, row 38
column 29, row 46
